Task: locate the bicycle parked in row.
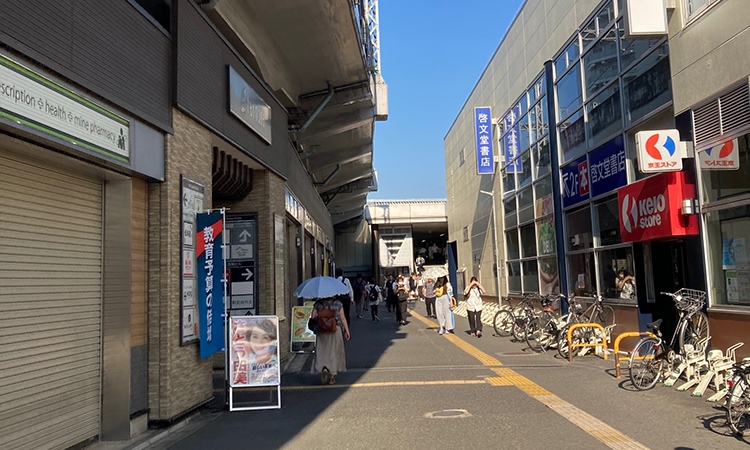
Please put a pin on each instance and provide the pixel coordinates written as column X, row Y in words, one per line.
column 597, row 312
column 737, row 402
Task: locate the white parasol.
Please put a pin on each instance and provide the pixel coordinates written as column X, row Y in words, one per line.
column 321, row 287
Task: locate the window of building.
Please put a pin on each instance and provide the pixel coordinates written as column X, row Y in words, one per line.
column 530, row 276
column 514, row 276
column 632, row 48
column 693, row 8
column 608, row 221
column 579, row 229
column 582, row 274
column 466, row 234
column 572, row 135
column 546, row 236
column 511, row 219
column 611, row 263
column 647, row 85
column 544, row 203
column 600, row 63
column 159, row 10
column 604, row 115
column 528, row 241
column 541, row 158
column 723, row 184
column 549, row 278
column 569, row 92
column 461, row 158
column 509, row 182
column 525, row 206
column 567, row 58
column 537, row 90
column 523, row 133
column 524, row 178
column 729, row 235
column 511, row 242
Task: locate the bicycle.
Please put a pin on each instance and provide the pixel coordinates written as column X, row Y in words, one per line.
column 651, row 354
column 543, row 330
column 505, row 319
column 737, row 402
column 598, row 312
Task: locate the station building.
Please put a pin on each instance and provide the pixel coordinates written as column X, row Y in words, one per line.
column 118, row 121
column 570, row 87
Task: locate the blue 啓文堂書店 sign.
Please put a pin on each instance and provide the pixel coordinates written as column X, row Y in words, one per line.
column 575, row 182
column 607, row 167
column 483, row 129
column 209, row 274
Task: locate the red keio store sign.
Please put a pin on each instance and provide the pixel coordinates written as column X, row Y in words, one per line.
column 651, row 208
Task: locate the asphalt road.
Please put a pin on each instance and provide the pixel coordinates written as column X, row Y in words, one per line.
column 488, row 392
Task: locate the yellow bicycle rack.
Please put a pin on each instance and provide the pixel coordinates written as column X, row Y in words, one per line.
column 571, row 345
column 617, row 347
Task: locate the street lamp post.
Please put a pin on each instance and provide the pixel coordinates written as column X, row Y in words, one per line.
column 494, row 225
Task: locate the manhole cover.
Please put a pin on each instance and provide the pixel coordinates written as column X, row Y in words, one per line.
column 448, row 414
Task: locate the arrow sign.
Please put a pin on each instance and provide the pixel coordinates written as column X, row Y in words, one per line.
column 244, row 236
column 247, row 274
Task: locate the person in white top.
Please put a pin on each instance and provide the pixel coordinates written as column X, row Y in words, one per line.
column 348, row 284
column 474, row 306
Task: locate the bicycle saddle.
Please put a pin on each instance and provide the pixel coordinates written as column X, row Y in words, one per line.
column 654, row 326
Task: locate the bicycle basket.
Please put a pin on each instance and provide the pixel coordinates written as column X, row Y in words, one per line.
column 690, row 300
column 576, row 307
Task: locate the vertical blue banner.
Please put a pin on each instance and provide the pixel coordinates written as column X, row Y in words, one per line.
column 510, row 141
column 483, row 128
column 209, row 273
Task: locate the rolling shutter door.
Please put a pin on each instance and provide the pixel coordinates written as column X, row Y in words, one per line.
column 50, row 306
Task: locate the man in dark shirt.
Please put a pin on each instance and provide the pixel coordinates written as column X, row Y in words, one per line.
column 428, row 291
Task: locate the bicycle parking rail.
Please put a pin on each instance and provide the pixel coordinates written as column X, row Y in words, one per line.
column 617, row 347
column 571, row 345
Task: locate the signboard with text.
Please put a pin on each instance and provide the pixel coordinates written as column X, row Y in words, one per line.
column 659, row 151
column 484, row 147
column 241, row 251
column 607, row 167
column 246, row 105
column 725, row 156
column 192, row 194
column 651, row 208
column 511, row 141
column 575, row 181
column 210, row 288
column 254, row 351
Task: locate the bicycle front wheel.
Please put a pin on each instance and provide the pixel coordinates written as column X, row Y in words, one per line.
column 577, row 337
column 605, row 316
column 503, row 323
column 694, row 330
column 738, row 407
column 645, row 366
column 520, row 324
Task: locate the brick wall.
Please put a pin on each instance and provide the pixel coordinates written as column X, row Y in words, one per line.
column 177, row 378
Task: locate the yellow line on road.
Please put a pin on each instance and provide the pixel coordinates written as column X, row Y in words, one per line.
column 508, row 377
column 384, row 384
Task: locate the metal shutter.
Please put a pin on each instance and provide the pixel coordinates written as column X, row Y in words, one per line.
column 50, row 306
column 723, row 118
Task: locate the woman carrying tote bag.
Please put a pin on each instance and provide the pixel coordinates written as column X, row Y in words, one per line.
column 474, row 306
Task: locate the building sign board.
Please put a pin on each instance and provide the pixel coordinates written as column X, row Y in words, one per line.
column 242, row 246
column 210, row 275
column 34, row 101
column 483, row 136
column 725, row 156
column 254, row 351
column 651, row 208
column 606, row 167
column 248, row 106
column 511, row 141
column 646, row 17
column 659, row 151
column 575, row 180
column 192, row 194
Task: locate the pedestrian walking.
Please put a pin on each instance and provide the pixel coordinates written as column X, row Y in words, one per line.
column 420, row 285
column 474, row 306
column 346, row 304
column 389, row 289
column 428, row 292
column 330, row 356
column 402, row 296
column 373, row 298
column 443, row 305
column 359, row 295
column 412, row 285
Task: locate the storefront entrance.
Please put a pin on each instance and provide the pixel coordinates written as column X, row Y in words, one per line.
column 669, row 263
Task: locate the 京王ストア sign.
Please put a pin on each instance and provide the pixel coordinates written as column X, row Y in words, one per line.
column 210, row 273
column 659, row 151
column 483, row 134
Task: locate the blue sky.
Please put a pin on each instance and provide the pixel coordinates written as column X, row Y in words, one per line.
column 432, row 53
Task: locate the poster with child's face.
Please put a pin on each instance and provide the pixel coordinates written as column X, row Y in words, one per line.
column 254, row 351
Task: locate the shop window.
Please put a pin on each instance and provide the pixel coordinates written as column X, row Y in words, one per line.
column 608, row 221
column 549, row 278
column 511, row 241
column 729, row 237
column 617, row 273
column 569, row 92
column 546, row 236
column 526, row 165
column 600, row 63
column 528, row 241
column 582, row 274
column 605, row 115
column 647, row 86
column 567, row 58
column 632, row 48
column 720, row 184
column 525, row 206
column 572, row 135
column 544, row 203
column 541, row 158
column 514, row 276
column 579, row 229
column 530, row 276
column 509, row 182
column 511, row 219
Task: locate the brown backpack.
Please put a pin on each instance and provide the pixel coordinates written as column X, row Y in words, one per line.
column 327, row 320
